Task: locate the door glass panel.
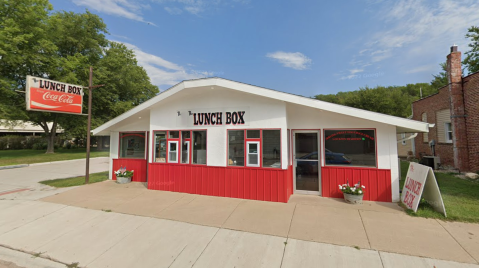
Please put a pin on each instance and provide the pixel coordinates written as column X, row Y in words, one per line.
column 307, row 161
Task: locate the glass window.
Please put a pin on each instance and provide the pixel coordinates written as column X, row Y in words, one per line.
column 199, row 147
column 173, row 134
column 236, row 148
column 160, row 147
column 252, row 157
column 253, row 134
column 172, row 152
column 272, row 148
column 448, row 132
column 132, row 145
column 350, row 147
column 403, row 136
column 185, row 147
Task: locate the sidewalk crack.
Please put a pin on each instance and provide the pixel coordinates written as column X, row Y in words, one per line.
column 364, row 228
column 457, row 241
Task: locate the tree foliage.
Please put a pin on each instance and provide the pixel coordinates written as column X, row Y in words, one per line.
column 392, row 100
column 471, row 61
column 61, row 46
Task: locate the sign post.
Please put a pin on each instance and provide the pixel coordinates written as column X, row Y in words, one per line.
column 90, row 87
column 421, row 182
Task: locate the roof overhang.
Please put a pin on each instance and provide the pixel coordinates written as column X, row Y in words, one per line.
column 403, row 125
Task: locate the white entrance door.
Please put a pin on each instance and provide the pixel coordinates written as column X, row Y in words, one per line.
column 307, row 164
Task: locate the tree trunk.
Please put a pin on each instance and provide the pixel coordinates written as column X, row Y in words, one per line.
column 99, row 143
column 51, row 137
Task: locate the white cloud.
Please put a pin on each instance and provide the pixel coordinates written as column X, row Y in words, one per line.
column 295, row 60
column 419, row 29
column 163, row 72
column 123, row 8
column 355, row 71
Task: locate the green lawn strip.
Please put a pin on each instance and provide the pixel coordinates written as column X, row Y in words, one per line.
column 460, row 196
column 17, row 157
column 76, row 181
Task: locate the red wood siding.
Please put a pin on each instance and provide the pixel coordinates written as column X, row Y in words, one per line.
column 138, row 165
column 376, row 181
column 257, row 184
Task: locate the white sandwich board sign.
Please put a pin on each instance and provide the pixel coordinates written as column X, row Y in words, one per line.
column 421, row 182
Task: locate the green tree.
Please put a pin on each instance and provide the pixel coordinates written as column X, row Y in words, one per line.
column 392, row 100
column 440, row 80
column 471, row 62
column 61, row 46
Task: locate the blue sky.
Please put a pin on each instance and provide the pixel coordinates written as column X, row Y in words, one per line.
column 301, row 47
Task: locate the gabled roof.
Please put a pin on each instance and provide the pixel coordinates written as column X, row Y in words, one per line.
column 402, row 124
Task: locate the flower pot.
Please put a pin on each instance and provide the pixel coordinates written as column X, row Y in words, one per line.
column 122, row 180
column 353, row 199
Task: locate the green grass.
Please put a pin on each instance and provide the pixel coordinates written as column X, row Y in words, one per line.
column 69, row 182
column 461, row 198
column 18, row 157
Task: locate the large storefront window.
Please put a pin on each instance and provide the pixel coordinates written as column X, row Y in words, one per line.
column 236, row 148
column 350, row 147
column 132, row 145
column 272, row 148
column 160, row 147
column 199, row 147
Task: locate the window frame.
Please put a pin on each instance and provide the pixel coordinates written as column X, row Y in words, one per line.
column 179, row 149
column 260, row 140
column 323, row 149
column 189, row 147
column 228, row 147
column 259, row 153
column 447, row 129
column 168, row 160
column 121, row 133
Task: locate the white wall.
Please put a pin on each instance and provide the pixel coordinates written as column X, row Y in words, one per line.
column 300, row 117
column 263, row 113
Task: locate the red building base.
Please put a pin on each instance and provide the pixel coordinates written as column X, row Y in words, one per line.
column 247, row 183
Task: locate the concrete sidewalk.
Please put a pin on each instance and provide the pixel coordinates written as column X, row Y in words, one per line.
column 95, row 238
column 379, row 229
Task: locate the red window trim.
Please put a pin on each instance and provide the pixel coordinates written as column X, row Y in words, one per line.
column 375, row 147
column 132, row 133
column 179, row 140
column 260, row 140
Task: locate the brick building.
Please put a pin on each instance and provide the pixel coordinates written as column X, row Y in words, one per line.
column 455, row 112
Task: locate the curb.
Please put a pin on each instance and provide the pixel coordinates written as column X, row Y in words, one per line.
column 46, row 163
column 14, row 166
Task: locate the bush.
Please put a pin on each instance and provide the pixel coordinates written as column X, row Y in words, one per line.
column 12, row 142
column 31, row 141
column 40, row 146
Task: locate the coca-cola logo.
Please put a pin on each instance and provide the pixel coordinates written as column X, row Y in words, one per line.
column 58, row 98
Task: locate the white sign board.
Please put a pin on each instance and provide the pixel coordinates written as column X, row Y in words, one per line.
column 421, row 182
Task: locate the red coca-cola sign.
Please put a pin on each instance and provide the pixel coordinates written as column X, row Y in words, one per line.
column 52, row 96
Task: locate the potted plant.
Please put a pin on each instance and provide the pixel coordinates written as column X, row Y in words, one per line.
column 123, row 175
column 353, row 194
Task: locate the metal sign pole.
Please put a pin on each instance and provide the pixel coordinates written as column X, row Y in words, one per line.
column 90, row 85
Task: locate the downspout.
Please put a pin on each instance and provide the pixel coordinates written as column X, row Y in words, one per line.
column 408, row 138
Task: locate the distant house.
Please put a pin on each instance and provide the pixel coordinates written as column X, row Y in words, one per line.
column 454, row 111
column 22, row 128
column 405, row 145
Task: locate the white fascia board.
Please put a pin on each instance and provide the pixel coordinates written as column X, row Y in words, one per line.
column 404, row 124
column 145, row 105
column 412, row 125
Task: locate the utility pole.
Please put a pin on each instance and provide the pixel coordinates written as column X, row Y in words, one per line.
column 90, row 87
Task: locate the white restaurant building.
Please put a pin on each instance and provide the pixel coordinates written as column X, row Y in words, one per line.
column 223, row 138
